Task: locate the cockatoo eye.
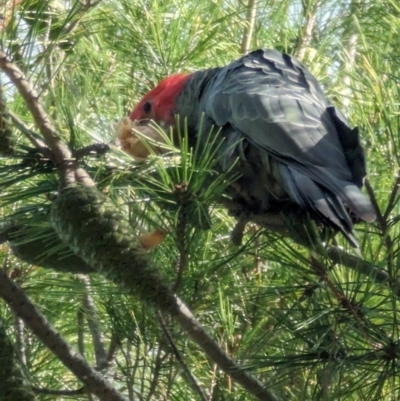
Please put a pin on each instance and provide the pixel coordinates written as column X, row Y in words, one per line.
column 147, row 107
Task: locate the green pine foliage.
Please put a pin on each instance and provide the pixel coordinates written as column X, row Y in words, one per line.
column 307, row 325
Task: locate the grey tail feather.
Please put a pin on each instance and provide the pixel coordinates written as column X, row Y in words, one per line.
column 321, row 202
column 357, row 202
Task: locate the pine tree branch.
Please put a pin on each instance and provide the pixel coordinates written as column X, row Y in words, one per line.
column 198, row 334
column 191, row 379
column 31, row 98
column 180, row 312
column 69, row 171
column 125, row 262
column 37, row 322
column 357, row 264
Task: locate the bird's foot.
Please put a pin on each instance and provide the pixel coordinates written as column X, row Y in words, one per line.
column 238, row 231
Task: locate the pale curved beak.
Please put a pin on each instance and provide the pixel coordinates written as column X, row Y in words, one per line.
column 140, row 139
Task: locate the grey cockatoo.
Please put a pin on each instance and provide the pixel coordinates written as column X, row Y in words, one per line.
column 294, row 148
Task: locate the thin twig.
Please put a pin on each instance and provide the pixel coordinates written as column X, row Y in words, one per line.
column 130, row 368
column 182, row 194
column 84, row 8
column 6, row 139
column 81, row 327
column 51, row 44
column 379, row 217
column 182, row 258
column 37, row 322
column 59, row 393
column 361, row 266
column 320, row 269
column 392, row 199
column 115, row 343
column 249, row 28
column 156, row 370
column 192, row 381
column 95, row 149
column 93, row 323
column 305, row 35
column 20, row 338
column 143, row 370
column 213, row 383
column 132, row 372
column 383, row 226
column 353, row 309
column 32, row 136
column 351, row 51
column 8, row 9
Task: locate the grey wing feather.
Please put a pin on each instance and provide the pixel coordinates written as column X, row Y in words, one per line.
column 311, row 196
column 275, row 103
